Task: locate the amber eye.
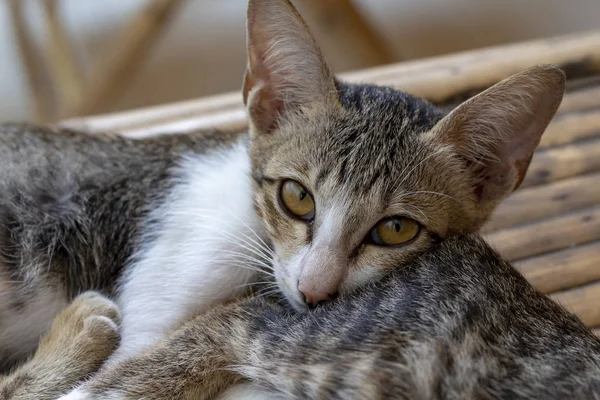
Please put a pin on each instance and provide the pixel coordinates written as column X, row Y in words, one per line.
column 296, row 199
column 394, row 231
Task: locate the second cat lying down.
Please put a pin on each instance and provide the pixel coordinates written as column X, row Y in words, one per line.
column 457, row 323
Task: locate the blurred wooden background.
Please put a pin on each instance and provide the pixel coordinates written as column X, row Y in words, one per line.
column 109, row 55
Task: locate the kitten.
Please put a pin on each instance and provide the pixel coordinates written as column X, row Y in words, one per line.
column 334, row 186
column 458, row 322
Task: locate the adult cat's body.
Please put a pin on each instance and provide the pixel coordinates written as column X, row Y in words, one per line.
column 129, row 218
column 457, row 323
column 346, row 182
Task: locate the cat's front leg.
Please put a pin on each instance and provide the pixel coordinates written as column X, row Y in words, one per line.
column 81, row 337
column 298, row 356
column 196, row 361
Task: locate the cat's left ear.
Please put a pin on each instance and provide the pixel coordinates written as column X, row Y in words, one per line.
column 497, row 131
column 286, row 69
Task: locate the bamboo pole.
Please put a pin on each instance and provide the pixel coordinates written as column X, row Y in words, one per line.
column 572, row 127
column 344, row 34
column 40, row 93
column 118, row 65
column 552, row 234
column 563, row 162
column 441, row 79
column 582, row 301
column 546, row 201
column 66, row 73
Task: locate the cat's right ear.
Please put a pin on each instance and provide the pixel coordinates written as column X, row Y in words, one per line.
column 497, row 131
column 286, row 69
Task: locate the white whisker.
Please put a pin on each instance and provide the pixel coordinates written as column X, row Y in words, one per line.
column 260, row 245
column 246, row 257
column 418, row 210
column 265, row 245
column 241, row 243
column 245, row 265
column 269, row 293
column 255, row 283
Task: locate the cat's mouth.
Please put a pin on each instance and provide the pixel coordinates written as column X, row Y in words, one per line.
column 290, row 292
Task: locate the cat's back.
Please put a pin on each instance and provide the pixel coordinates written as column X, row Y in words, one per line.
column 457, row 323
column 74, row 208
column 76, row 202
column 496, row 334
column 26, row 148
column 480, row 330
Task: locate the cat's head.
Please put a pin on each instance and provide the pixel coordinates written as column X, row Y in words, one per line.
column 354, row 180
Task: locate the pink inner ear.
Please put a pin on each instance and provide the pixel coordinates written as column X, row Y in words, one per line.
column 514, row 154
column 504, row 174
column 496, row 181
column 265, row 110
column 286, row 68
column 264, row 107
column 497, row 131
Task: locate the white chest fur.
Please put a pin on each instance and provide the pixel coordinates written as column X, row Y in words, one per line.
column 204, row 239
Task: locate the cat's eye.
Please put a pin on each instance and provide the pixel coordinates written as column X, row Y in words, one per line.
column 394, row 231
column 297, row 200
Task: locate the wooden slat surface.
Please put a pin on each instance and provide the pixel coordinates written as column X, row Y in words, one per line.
column 439, row 79
column 550, row 227
column 551, row 234
column 584, row 99
column 563, row 269
column 563, row 162
column 583, row 301
column 556, row 198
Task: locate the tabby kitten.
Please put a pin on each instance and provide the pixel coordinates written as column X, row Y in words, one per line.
column 334, row 186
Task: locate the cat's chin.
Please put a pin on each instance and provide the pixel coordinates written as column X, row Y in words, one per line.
column 292, row 299
column 297, row 306
column 292, row 296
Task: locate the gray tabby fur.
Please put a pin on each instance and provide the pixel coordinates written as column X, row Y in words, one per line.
column 441, row 317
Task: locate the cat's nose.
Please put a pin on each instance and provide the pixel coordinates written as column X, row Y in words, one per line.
column 313, row 298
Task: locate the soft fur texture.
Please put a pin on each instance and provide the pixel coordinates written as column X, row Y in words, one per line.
column 169, row 227
column 80, row 339
column 457, row 323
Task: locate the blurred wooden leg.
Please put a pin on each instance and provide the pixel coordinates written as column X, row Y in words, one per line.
column 65, row 73
column 40, row 91
column 119, row 63
column 342, row 31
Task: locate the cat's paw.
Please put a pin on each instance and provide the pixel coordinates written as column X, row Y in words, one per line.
column 87, row 329
column 80, row 339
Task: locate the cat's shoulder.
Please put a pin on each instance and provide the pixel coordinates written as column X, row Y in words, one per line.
column 29, row 137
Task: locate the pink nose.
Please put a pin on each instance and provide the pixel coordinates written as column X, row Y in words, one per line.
column 313, row 298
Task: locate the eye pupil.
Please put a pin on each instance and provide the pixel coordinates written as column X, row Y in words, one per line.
column 393, row 231
column 297, row 200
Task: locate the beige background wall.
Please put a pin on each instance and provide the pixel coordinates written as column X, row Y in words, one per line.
column 203, row 50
